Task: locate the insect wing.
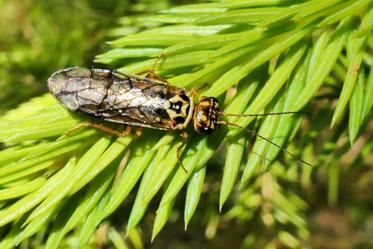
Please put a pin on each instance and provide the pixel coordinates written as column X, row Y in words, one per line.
column 121, row 98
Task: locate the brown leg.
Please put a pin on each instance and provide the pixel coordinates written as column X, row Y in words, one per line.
column 138, row 131
column 101, row 127
column 151, row 73
column 126, row 131
column 184, row 135
column 153, row 76
column 193, row 92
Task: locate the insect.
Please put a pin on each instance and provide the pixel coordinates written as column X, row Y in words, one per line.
column 141, row 102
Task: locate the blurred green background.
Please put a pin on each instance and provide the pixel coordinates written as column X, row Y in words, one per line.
column 39, row 37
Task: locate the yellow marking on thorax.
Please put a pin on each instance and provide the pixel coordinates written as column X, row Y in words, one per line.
column 190, row 114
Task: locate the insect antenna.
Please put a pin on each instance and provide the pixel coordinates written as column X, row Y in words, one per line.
column 223, row 122
column 262, row 114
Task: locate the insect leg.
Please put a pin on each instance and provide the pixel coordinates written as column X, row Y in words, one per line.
column 193, row 92
column 76, row 128
column 126, row 131
column 138, row 131
column 184, row 135
column 111, row 131
column 101, row 127
column 152, row 74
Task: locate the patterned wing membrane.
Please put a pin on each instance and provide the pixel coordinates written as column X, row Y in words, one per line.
column 77, row 90
column 120, row 98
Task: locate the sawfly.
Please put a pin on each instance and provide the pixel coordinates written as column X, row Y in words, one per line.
column 141, row 102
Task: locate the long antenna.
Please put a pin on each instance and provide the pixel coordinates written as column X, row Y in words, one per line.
column 266, row 139
column 261, row 115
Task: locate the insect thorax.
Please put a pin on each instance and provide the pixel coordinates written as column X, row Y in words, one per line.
column 206, row 115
